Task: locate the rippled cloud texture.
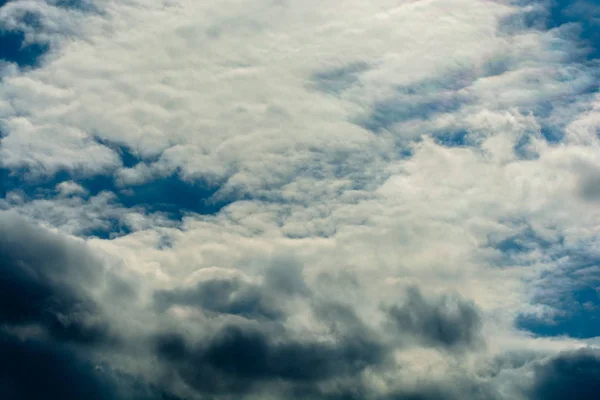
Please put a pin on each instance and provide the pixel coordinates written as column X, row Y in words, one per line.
column 279, row 199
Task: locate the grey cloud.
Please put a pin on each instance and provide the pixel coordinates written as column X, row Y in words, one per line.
column 242, row 359
column 227, row 296
column 49, row 253
column 41, row 279
column 452, row 388
column 471, row 390
column 34, row 369
column 589, row 185
column 341, row 318
column 276, row 142
column 570, row 375
column 448, row 321
column 285, row 275
column 337, row 80
column 44, row 278
column 245, row 358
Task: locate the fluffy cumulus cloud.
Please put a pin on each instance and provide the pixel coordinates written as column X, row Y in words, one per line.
column 385, row 200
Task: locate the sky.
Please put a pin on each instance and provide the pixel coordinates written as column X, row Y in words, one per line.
column 288, row 200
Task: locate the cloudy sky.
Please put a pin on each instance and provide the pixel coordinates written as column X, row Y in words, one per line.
column 285, row 199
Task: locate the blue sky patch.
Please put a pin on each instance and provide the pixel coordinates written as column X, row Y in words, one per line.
column 582, row 18
column 514, row 250
column 579, row 317
column 171, row 194
column 586, row 14
column 573, row 290
column 164, row 194
column 525, row 241
column 554, row 114
column 456, row 138
column 79, row 5
column 14, row 49
column 551, row 14
column 110, row 229
column 129, row 158
column 421, row 100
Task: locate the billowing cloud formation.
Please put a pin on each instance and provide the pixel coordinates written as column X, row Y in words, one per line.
column 387, row 200
column 49, row 323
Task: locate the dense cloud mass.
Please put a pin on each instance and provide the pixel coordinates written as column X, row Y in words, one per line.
column 238, row 359
column 447, row 321
column 222, row 296
column 570, row 374
column 36, row 270
column 249, row 199
column 50, row 325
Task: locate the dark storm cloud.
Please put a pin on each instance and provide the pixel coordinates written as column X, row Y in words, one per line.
column 570, row 375
column 43, row 277
column 45, row 280
column 448, row 321
column 468, row 389
column 38, row 274
column 242, row 359
column 34, row 369
column 428, row 389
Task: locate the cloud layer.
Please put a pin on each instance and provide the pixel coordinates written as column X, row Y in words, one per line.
column 387, row 200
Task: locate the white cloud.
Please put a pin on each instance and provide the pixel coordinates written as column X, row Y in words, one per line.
column 70, row 188
column 233, row 93
column 223, row 93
